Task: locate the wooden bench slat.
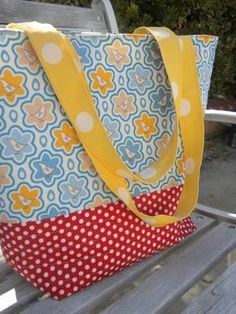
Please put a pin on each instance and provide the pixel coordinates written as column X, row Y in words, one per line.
column 97, row 293
column 9, row 282
column 220, row 297
column 55, row 14
column 24, row 293
column 4, row 268
column 216, row 213
column 178, row 273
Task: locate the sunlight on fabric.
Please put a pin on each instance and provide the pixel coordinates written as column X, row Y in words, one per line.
column 7, row 299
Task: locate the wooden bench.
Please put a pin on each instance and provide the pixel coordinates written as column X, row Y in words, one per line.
column 157, row 283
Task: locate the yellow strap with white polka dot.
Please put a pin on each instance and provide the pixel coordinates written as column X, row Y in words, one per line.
column 63, row 68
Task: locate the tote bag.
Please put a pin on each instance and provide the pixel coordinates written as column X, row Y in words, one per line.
column 100, row 149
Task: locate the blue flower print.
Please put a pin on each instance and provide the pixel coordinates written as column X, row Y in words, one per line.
column 130, row 152
column 205, row 73
column 18, row 144
column 7, row 36
column 74, row 190
column 112, row 128
column 162, row 101
column 140, row 79
column 94, row 40
column 53, row 211
column 204, row 77
column 153, row 55
column 47, row 168
column 2, row 121
column 83, row 52
column 138, row 190
column 3, row 36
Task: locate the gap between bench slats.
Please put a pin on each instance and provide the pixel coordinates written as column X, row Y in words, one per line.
column 220, row 297
column 178, row 273
column 97, row 293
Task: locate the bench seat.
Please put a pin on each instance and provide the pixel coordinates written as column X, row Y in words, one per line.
column 151, row 286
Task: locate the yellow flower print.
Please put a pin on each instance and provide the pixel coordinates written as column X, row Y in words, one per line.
column 206, row 38
column 66, row 137
column 118, row 54
column 102, row 80
column 27, row 56
column 86, row 163
column 124, row 104
column 10, row 85
column 39, row 112
column 145, row 126
column 25, row 199
column 162, row 143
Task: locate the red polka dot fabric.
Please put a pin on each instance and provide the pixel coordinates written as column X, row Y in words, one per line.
column 65, row 254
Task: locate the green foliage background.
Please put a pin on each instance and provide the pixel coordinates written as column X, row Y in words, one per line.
column 215, row 17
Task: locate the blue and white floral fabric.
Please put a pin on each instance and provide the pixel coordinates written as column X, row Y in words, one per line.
column 42, row 163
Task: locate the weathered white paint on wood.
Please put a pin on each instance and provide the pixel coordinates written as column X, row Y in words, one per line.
column 216, row 213
column 219, row 298
column 178, row 273
column 93, row 19
column 96, row 294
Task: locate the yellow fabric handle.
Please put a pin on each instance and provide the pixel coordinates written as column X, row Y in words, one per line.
column 63, row 68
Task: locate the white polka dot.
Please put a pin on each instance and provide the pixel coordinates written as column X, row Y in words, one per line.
column 181, row 44
column 52, row 53
column 148, row 173
column 175, row 89
column 123, row 195
column 124, row 173
column 189, row 165
column 162, row 33
column 84, row 122
column 185, row 107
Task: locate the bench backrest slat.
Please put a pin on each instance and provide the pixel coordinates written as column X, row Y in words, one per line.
column 100, row 17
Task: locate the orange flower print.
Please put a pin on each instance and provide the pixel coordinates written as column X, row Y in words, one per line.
column 66, row 137
column 206, row 38
column 25, row 200
column 124, row 104
column 118, row 54
column 145, row 126
column 4, row 178
column 27, row 56
column 39, row 112
column 162, row 143
column 10, row 85
column 102, row 80
column 86, row 163
column 136, row 37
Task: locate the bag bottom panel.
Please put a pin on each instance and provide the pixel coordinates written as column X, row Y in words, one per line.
column 63, row 255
